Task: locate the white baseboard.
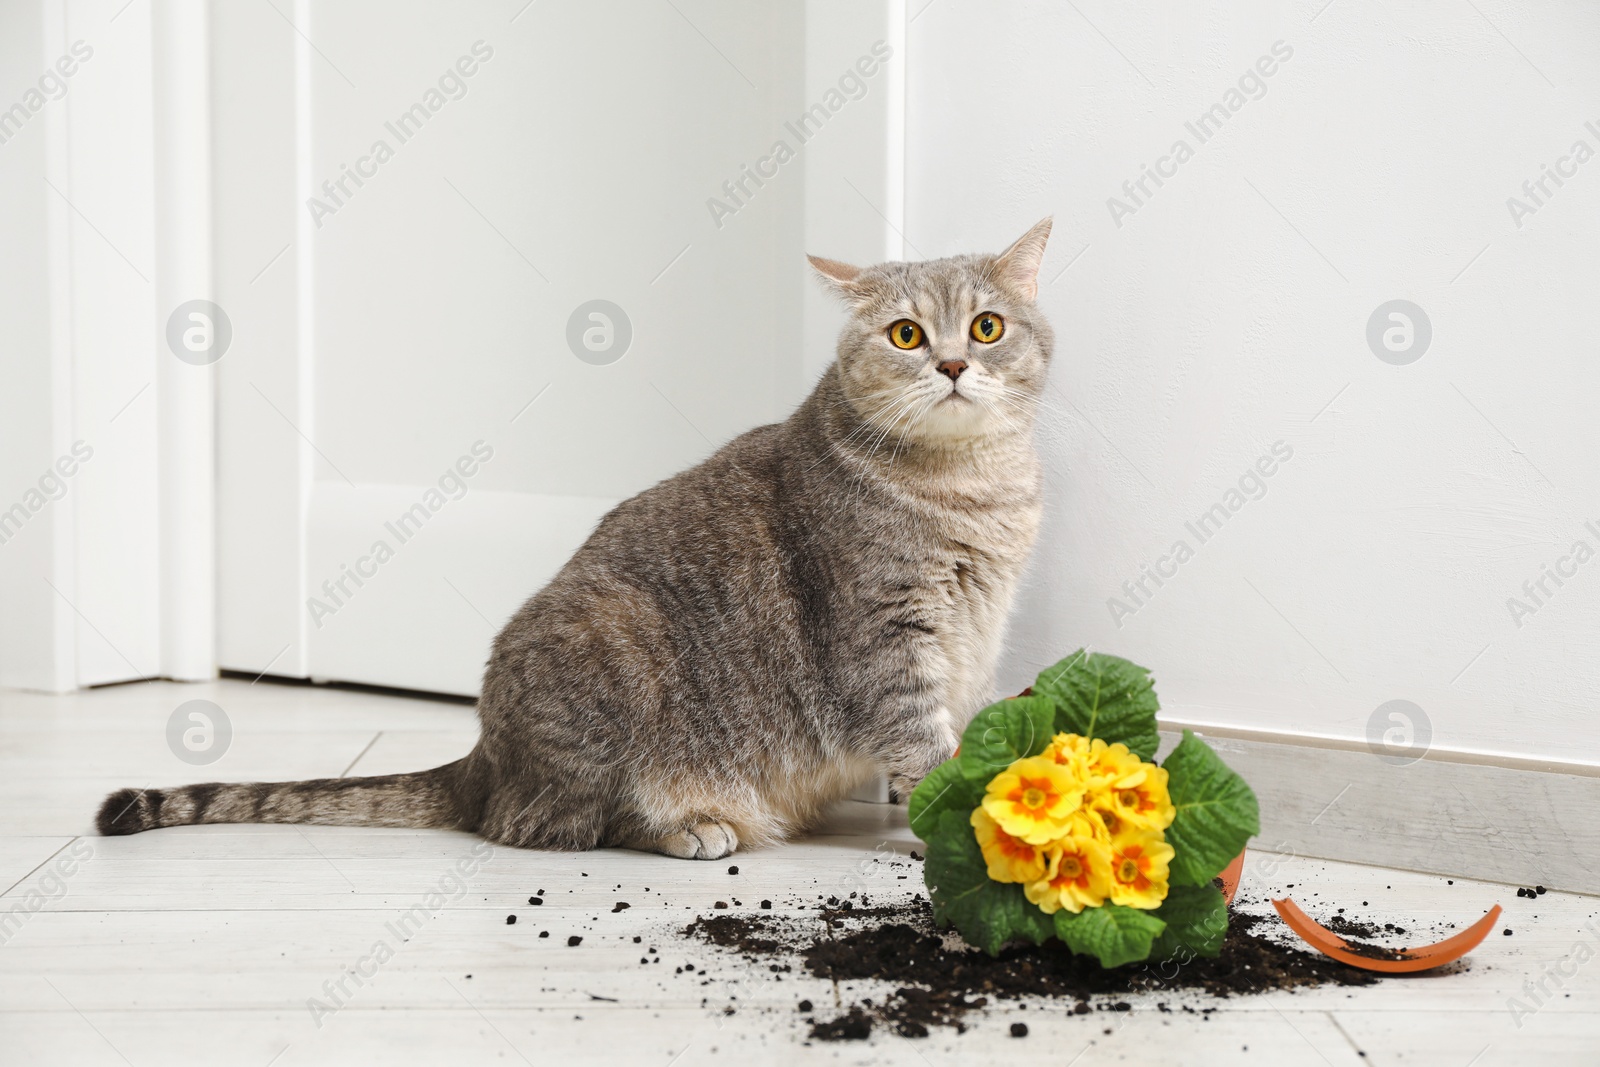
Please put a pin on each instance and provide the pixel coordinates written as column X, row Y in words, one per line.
column 874, row 790
column 1523, row 822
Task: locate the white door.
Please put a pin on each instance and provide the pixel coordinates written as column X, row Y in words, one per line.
column 485, row 280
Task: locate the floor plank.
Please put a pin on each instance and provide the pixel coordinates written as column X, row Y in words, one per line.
column 1482, row 1039
column 469, row 1034
column 399, row 751
column 20, row 856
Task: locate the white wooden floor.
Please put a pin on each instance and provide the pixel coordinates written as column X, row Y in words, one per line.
column 204, row 945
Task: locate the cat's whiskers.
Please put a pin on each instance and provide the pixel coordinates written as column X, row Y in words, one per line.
column 927, row 406
column 903, row 411
column 1007, row 403
column 921, row 397
column 888, row 415
column 896, row 410
column 868, row 423
column 923, row 393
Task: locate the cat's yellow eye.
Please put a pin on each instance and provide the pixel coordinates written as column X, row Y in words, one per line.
column 905, row 334
column 988, row 327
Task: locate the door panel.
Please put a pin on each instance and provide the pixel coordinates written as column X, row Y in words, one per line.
column 404, row 597
column 574, row 163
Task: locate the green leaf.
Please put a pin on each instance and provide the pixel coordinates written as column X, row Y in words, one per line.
column 1112, row 933
column 1217, row 812
column 944, row 789
column 1027, row 920
column 986, row 912
column 1003, row 733
column 1197, row 921
column 1103, row 696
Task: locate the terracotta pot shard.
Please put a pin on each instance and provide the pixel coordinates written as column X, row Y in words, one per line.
column 1397, row 961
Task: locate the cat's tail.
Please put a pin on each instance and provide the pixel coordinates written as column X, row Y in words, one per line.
column 436, row 799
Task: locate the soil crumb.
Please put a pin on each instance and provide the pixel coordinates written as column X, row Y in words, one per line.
column 939, row 981
column 854, row 1025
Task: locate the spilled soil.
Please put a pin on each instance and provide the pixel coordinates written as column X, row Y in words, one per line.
column 938, row 981
column 1358, row 937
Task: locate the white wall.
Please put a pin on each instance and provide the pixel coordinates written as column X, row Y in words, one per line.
column 1229, row 312
column 33, row 626
column 262, row 491
column 855, row 188
column 110, row 341
column 80, row 581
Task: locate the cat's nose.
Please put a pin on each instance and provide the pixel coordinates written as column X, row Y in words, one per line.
column 952, row 368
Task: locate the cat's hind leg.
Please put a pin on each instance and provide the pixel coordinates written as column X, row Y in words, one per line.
column 566, row 814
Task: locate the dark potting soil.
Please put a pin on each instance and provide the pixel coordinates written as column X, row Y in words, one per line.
column 939, row 983
column 853, row 1025
column 1357, row 937
column 1348, row 928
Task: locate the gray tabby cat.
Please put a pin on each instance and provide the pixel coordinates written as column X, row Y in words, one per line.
column 738, row 647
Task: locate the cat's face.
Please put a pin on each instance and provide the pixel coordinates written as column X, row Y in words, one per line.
column 948, row 349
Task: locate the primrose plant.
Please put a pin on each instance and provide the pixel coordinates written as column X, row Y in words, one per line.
column 1054, row 822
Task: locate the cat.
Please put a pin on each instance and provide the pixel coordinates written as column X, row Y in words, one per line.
column 740, row 646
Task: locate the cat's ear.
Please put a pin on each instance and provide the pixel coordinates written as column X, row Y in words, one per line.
column 838, row 278
column 1018, row 266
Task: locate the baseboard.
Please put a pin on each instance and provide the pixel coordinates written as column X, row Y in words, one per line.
column 874, row 790
column 1523, row 822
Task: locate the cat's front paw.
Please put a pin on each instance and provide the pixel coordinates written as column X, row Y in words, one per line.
column 934, row 742
column 901, row 785
column 710, row 840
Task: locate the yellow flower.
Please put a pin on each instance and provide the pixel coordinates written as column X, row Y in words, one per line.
column 1102, row 816
column 1078, row 875
column 1033, row 799
column 1072, row 752
column 1110, row 762
column 1010, row 859
column 1139, row 870
column 1134, row 791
